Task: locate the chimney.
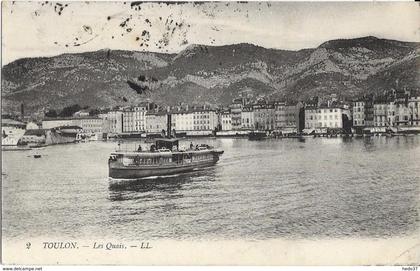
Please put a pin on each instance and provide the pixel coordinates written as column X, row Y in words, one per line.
column 22, row 110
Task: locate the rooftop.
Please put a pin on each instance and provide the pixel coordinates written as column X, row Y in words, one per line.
column 71, row 118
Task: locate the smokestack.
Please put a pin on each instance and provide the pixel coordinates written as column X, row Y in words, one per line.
column 22, row 110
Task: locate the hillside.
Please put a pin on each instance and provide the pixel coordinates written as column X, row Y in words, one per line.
column 210, row 74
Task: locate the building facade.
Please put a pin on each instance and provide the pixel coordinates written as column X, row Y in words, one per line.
column 226, row 120
column 265, row 116
column 414, row 107
column 113, row 122
column 89, row 125
column 311, row 117
column 247, row 118
column 236, row 114
column 156, row 122
column 380, row 114
column 204, row 119
column 325, row 117
column 134, row 119
column 359, row 113
column 182, row 120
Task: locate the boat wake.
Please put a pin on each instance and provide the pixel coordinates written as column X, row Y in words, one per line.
column 116, row 180
column 159, row 177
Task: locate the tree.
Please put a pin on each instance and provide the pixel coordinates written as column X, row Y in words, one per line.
column 51, row 113
column 94, row 112
column 69, row 110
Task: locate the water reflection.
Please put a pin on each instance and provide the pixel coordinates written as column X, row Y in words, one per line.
column 369, row 144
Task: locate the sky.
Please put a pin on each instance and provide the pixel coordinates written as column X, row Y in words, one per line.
column 33, row 29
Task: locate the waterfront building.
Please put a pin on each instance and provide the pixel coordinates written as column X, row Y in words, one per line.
column 226, row 120
column 156, row 122
column 369, row 111
column 204, row 119
column 380, row 114
column 134, row 119
column 194, row 120
column 292, row 117
column 414, row 108
column 311, row 117
column 236, row 114
column 265, row 115
column 332, row 117
column 402, row 111
column 287, row 117
column 325, row 117
column 359, row 113
column 280, row 115
column 247, row 118
column 113, row 122
column 390, row 113
column 182, row 119
column 91, row 125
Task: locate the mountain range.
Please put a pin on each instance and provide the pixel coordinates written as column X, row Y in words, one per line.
column 202, row 74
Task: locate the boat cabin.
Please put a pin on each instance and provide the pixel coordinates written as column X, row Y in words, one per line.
column 170, row 144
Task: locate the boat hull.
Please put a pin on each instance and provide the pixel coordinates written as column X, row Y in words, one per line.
column 136, row 173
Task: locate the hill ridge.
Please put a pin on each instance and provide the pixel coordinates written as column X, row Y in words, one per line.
column 215, row 74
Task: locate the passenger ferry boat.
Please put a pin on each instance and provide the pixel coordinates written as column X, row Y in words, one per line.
column 164, row 158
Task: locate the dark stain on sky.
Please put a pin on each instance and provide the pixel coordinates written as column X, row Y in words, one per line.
column 169, row 29
column 87, row 29
column 59, row 8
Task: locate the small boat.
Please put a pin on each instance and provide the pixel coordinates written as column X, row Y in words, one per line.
column 37, row 156
column 256, row 135
column 163, row 158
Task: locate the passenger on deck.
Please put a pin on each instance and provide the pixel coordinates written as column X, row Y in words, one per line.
column 191, row 146
column 153, row 148
column 139, row 148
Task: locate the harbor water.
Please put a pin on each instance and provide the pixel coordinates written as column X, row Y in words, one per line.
column 276, row 188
